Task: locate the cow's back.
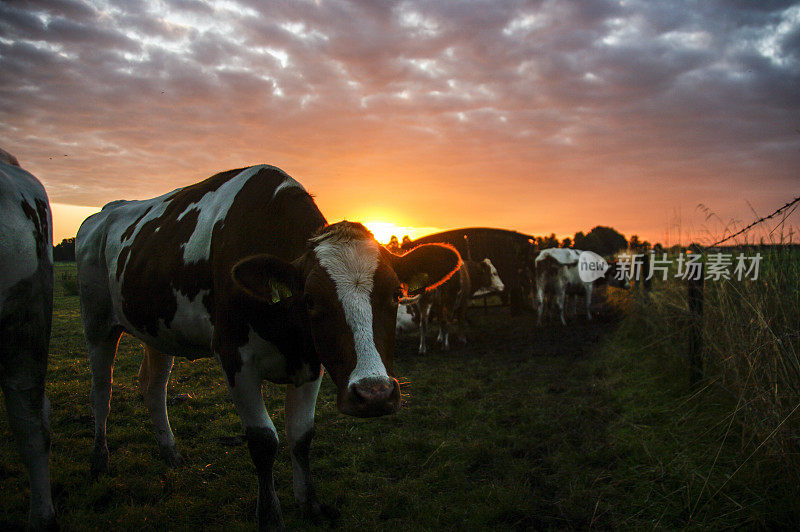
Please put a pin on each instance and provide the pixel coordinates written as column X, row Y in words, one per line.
column 558, row 266
column 158, row 263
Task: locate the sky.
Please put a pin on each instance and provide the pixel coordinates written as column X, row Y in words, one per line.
column 670, row 120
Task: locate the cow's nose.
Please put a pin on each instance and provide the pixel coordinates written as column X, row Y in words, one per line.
column 374, row 396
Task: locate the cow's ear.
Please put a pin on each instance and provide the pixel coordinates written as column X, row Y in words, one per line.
column 427, row 266
column 267, row 278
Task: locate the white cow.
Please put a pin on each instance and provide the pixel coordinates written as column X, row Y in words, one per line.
column 557, row 276
column 26, row 305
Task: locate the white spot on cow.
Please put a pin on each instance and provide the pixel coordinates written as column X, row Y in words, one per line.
column 405, row 321
column 289, row 182
column 352, row 264
column 262, row 357
column 192, row 318
column 213, row 207
column 189, row 332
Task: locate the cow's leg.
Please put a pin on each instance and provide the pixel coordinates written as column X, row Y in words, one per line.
column 300, row 403
column 153, row 377
column 424, row 314
column 28, row 416
column 589, row 303
column 539, row 303
column 262, row 441
column 101, row 357
column 443, row 338
column 560, row 296
column 444, row 332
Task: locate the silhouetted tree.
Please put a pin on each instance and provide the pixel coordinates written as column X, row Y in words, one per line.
column 602, row 240
column 546, row 242
column 393, row 245
column 65, row 251
column 566, row 243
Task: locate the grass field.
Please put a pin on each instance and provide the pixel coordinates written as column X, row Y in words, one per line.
column 591, row 426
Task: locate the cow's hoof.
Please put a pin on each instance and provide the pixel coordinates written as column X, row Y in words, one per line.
column 99, row 461
column 318, row 512
column 171, row 455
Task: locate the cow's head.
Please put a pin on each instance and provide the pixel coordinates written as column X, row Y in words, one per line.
column 486, row 280
column 349, row 287
column 615, row 276
column 495, row 283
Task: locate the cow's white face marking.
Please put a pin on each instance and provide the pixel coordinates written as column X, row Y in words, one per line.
column 351, row 265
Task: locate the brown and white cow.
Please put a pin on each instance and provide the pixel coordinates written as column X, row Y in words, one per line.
column 449, row 302
column 26, row 305
column 243, row 267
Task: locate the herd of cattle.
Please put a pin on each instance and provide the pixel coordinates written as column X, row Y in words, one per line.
column 242, row 267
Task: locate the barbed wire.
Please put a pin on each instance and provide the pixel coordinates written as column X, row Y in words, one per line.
column 762, row 219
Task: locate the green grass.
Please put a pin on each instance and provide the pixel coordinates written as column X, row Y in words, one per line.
column 591, row 426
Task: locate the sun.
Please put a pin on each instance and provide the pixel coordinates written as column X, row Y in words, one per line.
column 383, row 231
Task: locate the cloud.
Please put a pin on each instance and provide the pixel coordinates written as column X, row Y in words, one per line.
column 507, row 113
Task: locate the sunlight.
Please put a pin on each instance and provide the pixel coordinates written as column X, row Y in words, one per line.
column 383, row 231
column 67, row 218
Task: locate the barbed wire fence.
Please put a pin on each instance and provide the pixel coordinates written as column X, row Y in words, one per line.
column 695, row 296
column 755, row 223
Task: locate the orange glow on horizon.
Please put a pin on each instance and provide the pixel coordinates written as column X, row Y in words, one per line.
column 383, row 231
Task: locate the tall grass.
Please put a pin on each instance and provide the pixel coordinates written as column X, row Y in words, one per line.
column 747, row 407
column 752, row 341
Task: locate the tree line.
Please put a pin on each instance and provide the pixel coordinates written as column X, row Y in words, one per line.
column 601, row 239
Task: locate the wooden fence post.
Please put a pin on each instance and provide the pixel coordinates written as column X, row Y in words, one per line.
column 695, row 296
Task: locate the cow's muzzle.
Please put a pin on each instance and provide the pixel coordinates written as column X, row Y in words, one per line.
column 371, row 397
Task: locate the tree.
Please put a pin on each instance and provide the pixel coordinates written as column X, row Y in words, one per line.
column 393, row 245
column 602, row 240
column 547, row 242
column 65, row 251
column 566, row 243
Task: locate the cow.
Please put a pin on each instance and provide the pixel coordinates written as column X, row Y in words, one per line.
column 244, row 267
column 26, row 307
column 407, row 319
column 557, row 275
column 449, row 302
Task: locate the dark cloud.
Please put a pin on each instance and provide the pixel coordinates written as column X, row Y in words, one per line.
column 509, row 113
